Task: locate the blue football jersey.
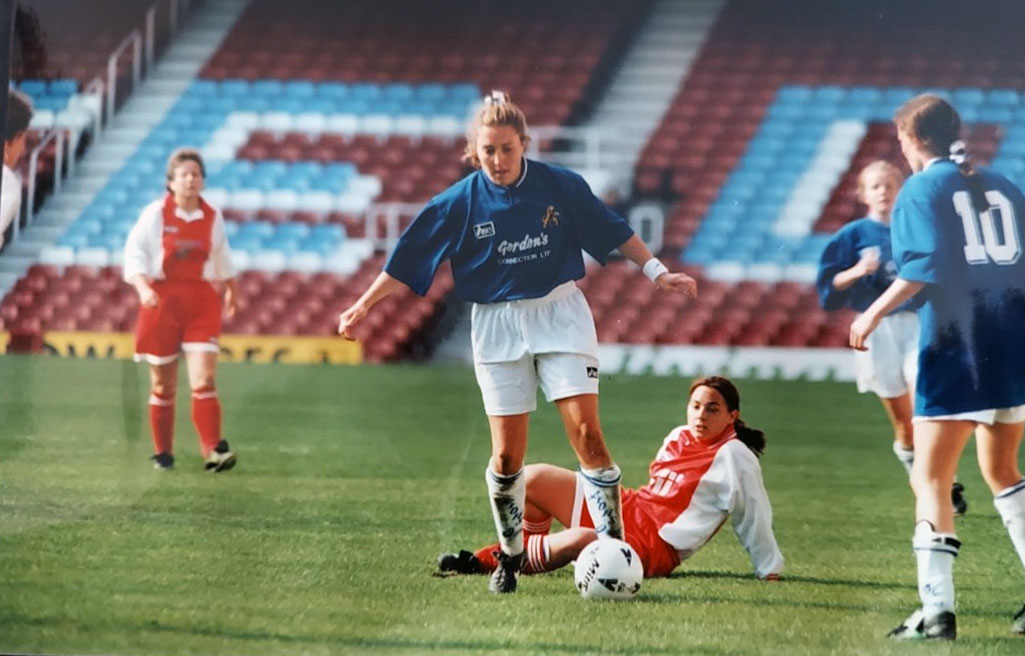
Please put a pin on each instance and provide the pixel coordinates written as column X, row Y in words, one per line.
column 507, row 243
column 842, row 252
column 972, row 353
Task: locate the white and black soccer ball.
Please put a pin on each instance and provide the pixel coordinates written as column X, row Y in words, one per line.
column 608, row 569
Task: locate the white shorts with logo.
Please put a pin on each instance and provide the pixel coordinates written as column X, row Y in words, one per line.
column 889, row 367
column 1012, row 415
column 519, row 345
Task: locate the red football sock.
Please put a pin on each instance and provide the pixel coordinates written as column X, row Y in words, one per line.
column 206, row 415
column 161, row 423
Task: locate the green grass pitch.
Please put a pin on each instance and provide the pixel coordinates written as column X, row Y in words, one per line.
column 352, row 479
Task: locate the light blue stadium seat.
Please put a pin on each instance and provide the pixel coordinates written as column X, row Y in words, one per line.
column 967, row 97
column 235, row 87
column 272, row 89
column 201, row 87
column 334, row 90
column 1003, row 97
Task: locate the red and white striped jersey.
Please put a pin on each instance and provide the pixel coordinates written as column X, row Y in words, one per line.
column 169, row 243
column 694, row 487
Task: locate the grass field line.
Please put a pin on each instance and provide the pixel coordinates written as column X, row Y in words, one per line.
column 448, row 506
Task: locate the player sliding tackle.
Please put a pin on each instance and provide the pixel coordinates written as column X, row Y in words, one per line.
column 705, row 473
column 513, row 231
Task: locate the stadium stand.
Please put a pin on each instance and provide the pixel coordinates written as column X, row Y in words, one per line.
column 300, row 144
column 305, row 133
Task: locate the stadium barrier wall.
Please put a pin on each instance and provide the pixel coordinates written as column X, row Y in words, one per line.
column 234, row 348
column 765, row 363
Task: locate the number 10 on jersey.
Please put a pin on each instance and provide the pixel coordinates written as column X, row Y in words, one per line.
column 985, row 245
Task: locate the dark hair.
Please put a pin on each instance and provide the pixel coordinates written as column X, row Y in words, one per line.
column 753, row 438
column 934, row 123
column 19, row 114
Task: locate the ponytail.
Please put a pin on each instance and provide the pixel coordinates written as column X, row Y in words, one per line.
column 959, row 155
column 934, row 123
column 752, row 438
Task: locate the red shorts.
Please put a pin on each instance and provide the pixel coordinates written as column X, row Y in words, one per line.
column 658, row 557
column 187, row 317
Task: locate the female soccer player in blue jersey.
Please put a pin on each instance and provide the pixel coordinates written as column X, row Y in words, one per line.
column 856, row 267
column 513, row 232
column 957, row 242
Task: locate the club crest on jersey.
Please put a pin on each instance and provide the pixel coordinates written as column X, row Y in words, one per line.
column 592, row 372
column 484, row 230
column 551, row 217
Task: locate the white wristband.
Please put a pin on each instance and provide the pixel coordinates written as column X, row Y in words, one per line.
column 654, row 268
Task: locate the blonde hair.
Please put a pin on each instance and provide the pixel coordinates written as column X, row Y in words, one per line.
column 878, row 166
column 497, row 110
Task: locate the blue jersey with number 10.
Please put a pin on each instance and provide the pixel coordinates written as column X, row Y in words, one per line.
column 972, row 348
column 508, row 243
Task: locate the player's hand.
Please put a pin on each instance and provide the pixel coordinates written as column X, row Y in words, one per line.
column 347, row 320
column 680, row 283
column 147, row 296
column 869, row 262
column 861, row 328
column 230, row 301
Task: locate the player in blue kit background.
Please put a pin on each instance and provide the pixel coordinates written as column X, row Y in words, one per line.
column 855, row 269
column 957, row 242
column 513, row 232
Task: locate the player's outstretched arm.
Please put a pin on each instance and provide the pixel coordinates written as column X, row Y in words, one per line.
column 384, row 285
column 637, row 252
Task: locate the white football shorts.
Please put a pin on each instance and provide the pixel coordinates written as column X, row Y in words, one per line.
column 889, row 366
column 1012, row 415
column 519, row 345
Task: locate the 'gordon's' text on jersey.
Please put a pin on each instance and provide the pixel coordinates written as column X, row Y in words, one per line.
column 508, row 243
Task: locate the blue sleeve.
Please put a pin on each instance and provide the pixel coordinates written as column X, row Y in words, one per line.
column 836, row 257
column 915, row 241
column 424, row 245
column 598, row 229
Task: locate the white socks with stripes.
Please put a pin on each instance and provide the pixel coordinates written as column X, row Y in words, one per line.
column 508, row 496
column 601, row 492
column 905, row 456
column 935, row 553
column 1010, row 503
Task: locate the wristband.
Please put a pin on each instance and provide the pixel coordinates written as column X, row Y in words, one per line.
column 654, row 268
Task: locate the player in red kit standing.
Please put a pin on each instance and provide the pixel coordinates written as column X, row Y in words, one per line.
column 174, row 253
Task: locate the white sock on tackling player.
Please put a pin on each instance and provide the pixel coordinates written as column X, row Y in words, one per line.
column 508, row 495
column 905, row 456
column 935, row 553
column 1010, row 503
column 601, row 492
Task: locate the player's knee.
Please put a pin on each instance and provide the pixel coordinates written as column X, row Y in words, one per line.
column 506, row 464
column 163, row 388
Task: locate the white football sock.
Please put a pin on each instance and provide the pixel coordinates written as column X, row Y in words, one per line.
column 508, row 496
column 601, row 492
column 935, row 553
column 905, row 456
column 1010, row 503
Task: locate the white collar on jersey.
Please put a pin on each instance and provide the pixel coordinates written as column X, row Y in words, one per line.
column 194, row 215
column 523, row 173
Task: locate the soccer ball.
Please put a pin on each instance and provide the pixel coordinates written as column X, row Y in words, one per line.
column 608, row 569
